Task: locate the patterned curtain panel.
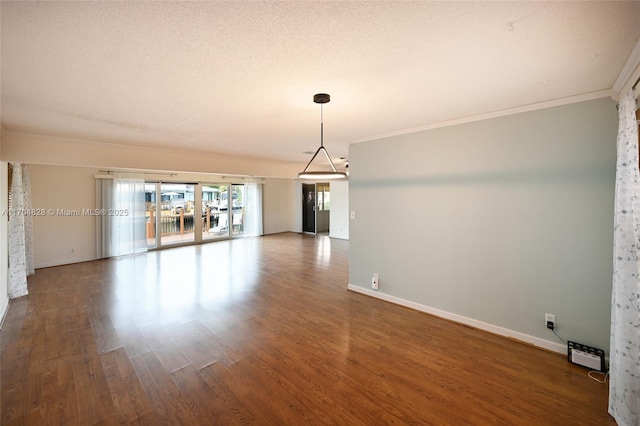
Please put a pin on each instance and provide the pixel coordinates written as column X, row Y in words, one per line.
column 624, row 389
column 21, row 263
column 28, row 222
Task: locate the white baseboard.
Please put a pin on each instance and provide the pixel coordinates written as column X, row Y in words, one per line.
column 64, row 262
column 501, row 331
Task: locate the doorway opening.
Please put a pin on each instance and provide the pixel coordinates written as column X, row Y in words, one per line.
column 316, row 206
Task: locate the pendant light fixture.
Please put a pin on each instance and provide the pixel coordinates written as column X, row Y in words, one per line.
column 321, row 98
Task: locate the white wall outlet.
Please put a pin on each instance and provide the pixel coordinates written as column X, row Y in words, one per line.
column 550, row 318
column 353, row 214
column 374, row 282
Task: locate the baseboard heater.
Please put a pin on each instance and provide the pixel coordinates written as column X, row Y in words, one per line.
column 586, row 356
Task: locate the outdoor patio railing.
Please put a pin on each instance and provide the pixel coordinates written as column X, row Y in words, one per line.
column 181, row 222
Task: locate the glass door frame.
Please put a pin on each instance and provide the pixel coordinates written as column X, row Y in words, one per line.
column 227, row 235
column 198, row 219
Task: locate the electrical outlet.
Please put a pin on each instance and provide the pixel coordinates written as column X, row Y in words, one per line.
column 374, row 282
column 550, row 321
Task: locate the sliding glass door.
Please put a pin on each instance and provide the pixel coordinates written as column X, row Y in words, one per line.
column 237, row 209
column 173, row 216
column 150, row 208
column 215, row 212
column 177, row 213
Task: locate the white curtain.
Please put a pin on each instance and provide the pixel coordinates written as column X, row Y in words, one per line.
column 104, row 202
column 624, row 355
column 126, row 217
column 253, row 209
column 21, row 262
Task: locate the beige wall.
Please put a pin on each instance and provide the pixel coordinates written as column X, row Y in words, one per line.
column 76, row 162
column 277, row 206
column 296, row 205
column 37, row 149
column 60, row 239
column 281, row 200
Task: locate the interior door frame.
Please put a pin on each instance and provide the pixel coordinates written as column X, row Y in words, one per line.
column 305, row 211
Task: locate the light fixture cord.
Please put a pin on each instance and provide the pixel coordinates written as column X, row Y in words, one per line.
column 321, row 124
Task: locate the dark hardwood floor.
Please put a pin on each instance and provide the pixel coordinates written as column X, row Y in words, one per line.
column 263, row 331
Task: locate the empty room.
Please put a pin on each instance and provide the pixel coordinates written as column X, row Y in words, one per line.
column 353, row 212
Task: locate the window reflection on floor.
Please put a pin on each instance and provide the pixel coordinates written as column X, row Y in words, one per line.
column 323, row 250
column 206, row 275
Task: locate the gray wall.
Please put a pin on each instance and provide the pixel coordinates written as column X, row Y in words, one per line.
column 500, row 220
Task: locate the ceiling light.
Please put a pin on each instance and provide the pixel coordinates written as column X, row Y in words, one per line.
column 321, row 98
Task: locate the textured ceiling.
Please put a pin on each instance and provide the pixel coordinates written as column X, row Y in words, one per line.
column 239, row 77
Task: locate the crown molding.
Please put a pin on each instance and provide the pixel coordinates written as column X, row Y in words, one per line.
column 630, row 68
column 502, row 113
column 61, row 151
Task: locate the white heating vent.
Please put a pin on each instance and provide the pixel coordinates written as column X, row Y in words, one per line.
column 585, row 359
column 586, row 356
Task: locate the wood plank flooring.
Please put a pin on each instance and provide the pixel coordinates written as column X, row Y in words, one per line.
column 263, row 331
